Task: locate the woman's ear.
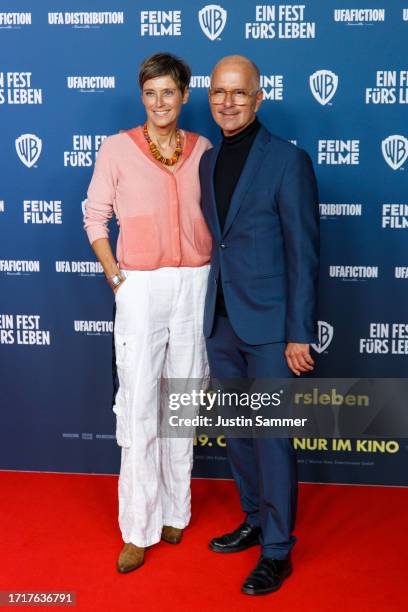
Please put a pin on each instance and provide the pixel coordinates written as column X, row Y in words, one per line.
column 186, row 95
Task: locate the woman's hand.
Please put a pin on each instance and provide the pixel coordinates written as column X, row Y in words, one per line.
column 115, row 289
column 103, row 251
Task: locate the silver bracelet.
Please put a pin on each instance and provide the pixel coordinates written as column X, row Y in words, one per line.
column 115, row 280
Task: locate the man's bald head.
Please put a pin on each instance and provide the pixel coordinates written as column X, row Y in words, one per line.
column 238, row 62
column 235, row 94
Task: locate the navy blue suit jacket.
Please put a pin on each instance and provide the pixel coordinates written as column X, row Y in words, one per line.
column 268, row 251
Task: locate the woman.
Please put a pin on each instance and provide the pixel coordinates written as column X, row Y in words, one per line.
column 148, row 177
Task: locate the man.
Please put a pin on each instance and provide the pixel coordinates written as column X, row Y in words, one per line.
column 259, row 198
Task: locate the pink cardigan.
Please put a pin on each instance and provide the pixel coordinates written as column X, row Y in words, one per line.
column 158, row 212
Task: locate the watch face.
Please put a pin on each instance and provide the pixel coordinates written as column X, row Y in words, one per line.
column 116, row 280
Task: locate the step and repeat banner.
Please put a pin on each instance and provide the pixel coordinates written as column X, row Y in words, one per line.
column 335, row 82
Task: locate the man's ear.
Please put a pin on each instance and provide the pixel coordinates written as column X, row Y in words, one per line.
column 259, row 98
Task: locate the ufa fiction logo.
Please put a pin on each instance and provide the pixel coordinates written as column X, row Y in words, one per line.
column 395, row 150
column 325, row 333
column 212, row 19
column 28, row 147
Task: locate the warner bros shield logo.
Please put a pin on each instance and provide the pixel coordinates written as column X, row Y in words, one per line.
column 325, row 333
column 323, row 85
column 395, row 150
column 28, row 147
column 212, row 19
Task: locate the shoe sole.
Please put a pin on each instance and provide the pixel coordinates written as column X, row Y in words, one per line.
column 214, row 548
column 248, row 591
column 132, row 569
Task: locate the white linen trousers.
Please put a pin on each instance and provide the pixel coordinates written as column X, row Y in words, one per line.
column 158, row 335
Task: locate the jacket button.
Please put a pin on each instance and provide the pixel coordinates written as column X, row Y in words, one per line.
column 222, row 246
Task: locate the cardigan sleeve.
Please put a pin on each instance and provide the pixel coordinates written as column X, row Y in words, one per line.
column 101, row 194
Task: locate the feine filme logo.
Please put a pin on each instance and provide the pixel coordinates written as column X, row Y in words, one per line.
column 160, row 23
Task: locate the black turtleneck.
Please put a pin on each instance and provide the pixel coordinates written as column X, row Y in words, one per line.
column 230, row 163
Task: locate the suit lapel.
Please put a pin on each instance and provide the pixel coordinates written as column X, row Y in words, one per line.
column 252, row 164
column 214, row 220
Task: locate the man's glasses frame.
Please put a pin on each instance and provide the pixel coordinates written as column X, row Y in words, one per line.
column 239, row 97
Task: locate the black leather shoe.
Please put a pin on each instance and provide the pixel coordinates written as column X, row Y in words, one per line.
column 241, row 538
column 267, row 576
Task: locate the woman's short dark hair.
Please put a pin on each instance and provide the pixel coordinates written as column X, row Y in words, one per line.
column 165, row 64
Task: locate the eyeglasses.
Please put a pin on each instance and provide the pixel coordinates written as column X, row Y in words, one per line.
column 240, row 97
column 150, row 94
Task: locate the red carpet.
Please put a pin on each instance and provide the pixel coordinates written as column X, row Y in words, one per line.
column 59, row 533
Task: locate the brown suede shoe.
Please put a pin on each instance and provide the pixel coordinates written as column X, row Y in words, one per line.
column 131, row 557
column 172, row 535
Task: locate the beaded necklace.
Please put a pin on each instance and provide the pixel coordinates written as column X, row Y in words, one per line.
column 166, row 161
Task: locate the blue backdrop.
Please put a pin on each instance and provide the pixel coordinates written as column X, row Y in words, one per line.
column 335, row 78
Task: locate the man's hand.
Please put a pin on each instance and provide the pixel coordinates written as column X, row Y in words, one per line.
column 299, row 358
